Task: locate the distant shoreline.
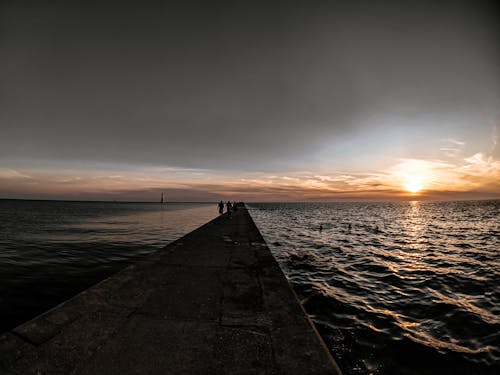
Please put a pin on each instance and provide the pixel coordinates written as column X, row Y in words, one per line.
column 101, row 201
column 254, row 202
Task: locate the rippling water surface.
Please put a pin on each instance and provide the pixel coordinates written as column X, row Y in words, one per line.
column 395, row 288
column 50, row 250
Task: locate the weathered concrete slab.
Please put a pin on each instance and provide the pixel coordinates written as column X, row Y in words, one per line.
column 213, row 302
column 189, row 293
column 155, row 346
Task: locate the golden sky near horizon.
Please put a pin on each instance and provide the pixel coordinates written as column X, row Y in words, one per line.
column 474, row 177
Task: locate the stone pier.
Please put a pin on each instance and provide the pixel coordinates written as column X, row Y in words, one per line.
column 213, row 302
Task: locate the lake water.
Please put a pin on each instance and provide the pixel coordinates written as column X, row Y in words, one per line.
column 395, row 288
column 51, row 250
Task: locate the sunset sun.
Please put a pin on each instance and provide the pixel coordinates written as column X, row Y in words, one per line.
column 413, row 184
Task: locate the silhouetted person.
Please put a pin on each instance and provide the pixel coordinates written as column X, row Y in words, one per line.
column 221, row 207
column 229, row 208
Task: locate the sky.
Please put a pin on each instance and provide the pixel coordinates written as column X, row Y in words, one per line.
column 254, row 101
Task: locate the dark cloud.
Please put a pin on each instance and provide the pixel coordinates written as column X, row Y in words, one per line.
column 231, row 84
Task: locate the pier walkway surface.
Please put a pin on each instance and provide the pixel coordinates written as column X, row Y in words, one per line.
column 213, row 302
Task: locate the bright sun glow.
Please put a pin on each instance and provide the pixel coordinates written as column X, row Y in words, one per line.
column 413, row 184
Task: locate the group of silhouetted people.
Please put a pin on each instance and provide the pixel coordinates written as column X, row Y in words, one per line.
column 230, row 208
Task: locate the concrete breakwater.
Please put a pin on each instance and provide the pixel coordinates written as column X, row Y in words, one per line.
column 213, row 302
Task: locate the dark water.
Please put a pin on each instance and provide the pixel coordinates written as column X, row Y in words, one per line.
column 409, row 288
column 50, row 250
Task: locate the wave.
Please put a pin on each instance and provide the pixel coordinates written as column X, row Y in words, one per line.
column 418, row 295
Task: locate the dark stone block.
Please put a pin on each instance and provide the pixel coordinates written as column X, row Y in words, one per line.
column 38, row 330
column 11, row 349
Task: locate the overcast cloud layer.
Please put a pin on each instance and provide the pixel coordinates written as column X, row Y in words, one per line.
column 235, row 84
